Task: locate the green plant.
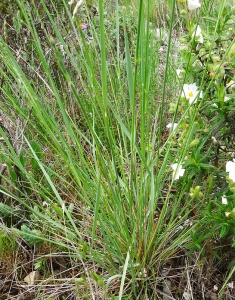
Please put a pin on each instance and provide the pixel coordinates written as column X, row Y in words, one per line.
column 209, row 64
column 99, row 175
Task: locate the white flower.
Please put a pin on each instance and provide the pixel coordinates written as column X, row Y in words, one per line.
column 193, row 4
column 224, row 200
column 214, row 105
column 230, row 284
column 227, row 214
column 190, row 92
column 226, row 98
column 198, row 35
column 180, row 73
column 173, row 125
column 178, row 171
column 230, row 168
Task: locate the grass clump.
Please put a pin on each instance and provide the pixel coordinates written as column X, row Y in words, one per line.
column 113, row 156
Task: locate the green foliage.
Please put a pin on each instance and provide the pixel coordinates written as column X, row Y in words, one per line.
column 208, row 64
column 97, row 278
column 6, row 210
column 7, row 7
column 31, row 236
column 8, row 244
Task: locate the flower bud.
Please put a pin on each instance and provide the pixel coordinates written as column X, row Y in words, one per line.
column 231, row 213
column 202, row 52
column 215, row 58
column 182, row 40
column 172, row 107
column 208, row 45
column 221, row 72
column 195, row 142
column 197, row 63
column 195, row 192
column 231, row 52
column 183, row 49
column 232, row 17
column 51, row 40
column 210, row 68
column 183, row 12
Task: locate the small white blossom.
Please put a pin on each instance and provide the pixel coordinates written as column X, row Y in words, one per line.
column 214, row 140
column 230, row 83
column 173, row 125
column 193, row 4
column 227, row 214
column 198, row 35
column 230, row 168
column 178, row 171
column 224, row 200
column 190, row 92
column 230, row 284
column 180, row 72
column 214, row 105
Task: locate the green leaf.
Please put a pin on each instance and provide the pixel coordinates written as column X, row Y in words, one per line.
column 206, row 166
column 31, row 236
column 212, row 20
column 97, row 278
column 223, row 230
column 58, row 210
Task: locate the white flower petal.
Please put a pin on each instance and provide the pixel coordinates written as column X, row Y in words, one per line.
column 231, row 175
column 198, row 35
column 173, row 127
column 230, row 166
column 190, row 92
column 193, row 4
column 214, row 140
column 71, row 2
column 178, row 71
column 224, row 200
column 178, row 171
